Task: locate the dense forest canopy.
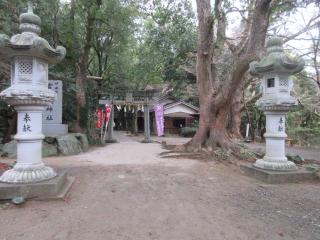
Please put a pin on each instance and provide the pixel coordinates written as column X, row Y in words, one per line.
column 135, row 43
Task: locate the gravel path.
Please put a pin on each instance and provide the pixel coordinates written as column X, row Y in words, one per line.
column 125, row 191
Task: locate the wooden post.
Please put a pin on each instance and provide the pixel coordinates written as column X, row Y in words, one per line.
column 110, row 137
column 135, row 119
column 147, row 138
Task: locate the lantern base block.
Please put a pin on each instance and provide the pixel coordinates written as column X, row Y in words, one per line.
column 30, row 173
column 55, row 188
column 275, row 177
column 283, row 165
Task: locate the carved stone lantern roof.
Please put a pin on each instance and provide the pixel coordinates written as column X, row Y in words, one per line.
column 28, row 42
column 276, row 60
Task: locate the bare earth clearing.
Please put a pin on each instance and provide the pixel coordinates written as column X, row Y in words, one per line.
column 125, row 191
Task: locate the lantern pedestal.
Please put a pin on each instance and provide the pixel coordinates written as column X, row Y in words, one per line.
column 29, row 167
column 275, row 157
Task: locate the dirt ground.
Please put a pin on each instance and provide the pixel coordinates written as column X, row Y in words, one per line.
column 125, row 191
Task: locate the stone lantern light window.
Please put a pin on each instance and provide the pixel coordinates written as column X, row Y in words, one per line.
column 283, row 85
column 24, row 69
column 270, row 82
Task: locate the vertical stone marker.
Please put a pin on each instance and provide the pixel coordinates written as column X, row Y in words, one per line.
column 29, row 55
column 52, row 116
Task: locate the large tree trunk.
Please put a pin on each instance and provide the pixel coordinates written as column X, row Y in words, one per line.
column 82, row 69
column 204, row 72
column 217, row 97
column 81, row 80
column 234, row 117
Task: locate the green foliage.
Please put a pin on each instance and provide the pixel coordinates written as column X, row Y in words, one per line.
column 246, row 154
column 297, row 159
column 303, row 122
column 188, row 131
column 168, row 35
column 222, row 154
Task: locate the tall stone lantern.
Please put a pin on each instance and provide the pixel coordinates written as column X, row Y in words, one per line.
column 276, row 100
column 29, row 55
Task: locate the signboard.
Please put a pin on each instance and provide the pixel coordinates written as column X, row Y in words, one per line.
column 159, row 113
column 53, row 112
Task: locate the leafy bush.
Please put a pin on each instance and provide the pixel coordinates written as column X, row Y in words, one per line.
column 246, row 154
column 297, row 159
column 305, row 136
column 222, row 154
column 188, row 131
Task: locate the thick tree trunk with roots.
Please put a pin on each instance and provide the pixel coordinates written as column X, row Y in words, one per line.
column 220, row 98
column 82, row 65
column 81, row 80
column 234, row 117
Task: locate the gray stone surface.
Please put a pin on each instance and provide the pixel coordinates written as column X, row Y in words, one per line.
column 270, row 176
column 68, row 145
column 82, row 138
column 55, row 130
column 10, row 149
column 49, row 149
column 50, row 189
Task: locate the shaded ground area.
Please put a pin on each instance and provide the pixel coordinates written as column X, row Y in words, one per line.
column 125, row 191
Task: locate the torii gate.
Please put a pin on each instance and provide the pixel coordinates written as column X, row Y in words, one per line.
column 136, row 98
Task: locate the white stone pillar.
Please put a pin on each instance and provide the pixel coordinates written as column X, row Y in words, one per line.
column 29, row 167
column 275, row 157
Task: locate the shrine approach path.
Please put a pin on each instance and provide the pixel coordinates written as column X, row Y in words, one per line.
column 126, row 191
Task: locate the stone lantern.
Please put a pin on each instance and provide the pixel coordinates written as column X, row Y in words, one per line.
column 276, row 100
column 29, row 55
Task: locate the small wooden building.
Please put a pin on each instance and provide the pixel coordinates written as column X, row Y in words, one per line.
column 177, row 114
column 132, row 107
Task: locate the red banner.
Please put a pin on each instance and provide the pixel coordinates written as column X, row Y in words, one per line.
column 99, row 115
column 108, row 112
